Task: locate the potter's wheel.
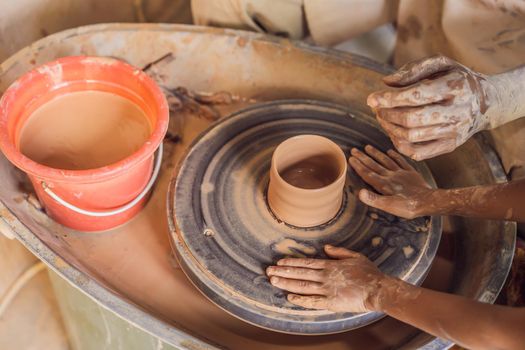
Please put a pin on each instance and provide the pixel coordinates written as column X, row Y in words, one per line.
column 225, row 236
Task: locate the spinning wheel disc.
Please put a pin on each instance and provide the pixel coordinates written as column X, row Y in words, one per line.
column 224, row 234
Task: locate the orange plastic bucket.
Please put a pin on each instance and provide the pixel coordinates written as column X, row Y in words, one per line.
column 95, row 199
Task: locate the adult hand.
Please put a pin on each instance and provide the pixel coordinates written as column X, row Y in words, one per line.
column 402, row 190
column 434, row 106
column 349, row 283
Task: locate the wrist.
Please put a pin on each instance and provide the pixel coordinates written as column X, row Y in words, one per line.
column 505, row 95
column 380, row 296
column 492, row 86
column 435, row 201
column 391, row 294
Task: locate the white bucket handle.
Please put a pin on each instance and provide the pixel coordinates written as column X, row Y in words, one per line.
column 154, row 175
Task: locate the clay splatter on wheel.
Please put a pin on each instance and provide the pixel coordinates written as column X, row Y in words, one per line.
column 224, row 234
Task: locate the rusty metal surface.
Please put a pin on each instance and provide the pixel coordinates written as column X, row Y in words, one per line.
column 130, row 270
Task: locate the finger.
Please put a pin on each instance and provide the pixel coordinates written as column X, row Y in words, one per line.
column 303, row 262
column 298, row 273
column 429, row 133
column 309, row 302
column 297, row 286
column 426, row 150
column 378, row 182
column 340, row 253
column 390, row 204
column 400, row 160
column 424, row 93
column 420, row 69
column 369, row 162
column 382, row 158
column 415, row 117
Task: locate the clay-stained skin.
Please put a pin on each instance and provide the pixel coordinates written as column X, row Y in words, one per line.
column 402, row 191
column 348, row 283
column 351, row 283
column 435, row 105
column 500, row 201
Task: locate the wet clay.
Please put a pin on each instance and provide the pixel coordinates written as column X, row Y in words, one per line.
column 84, row 130
column 311, row 173
column 315, row 167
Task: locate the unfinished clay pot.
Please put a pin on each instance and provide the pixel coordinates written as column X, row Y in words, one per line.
column 307, row 177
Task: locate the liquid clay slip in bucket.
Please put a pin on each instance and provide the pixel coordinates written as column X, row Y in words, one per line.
column 85, row 130
column 307, row 177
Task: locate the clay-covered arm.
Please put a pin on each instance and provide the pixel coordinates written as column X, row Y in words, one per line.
column 499, row 202
column 402, row 191
column 508, row 96
column 466, row 322
column 349, row 282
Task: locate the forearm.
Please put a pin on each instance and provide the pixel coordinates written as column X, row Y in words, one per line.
column 506, row 97
column 499, row 202
column 471, row 324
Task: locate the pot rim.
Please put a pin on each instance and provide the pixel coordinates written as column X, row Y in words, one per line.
column 335, row 183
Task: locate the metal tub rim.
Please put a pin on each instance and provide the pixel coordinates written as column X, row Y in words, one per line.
column 131, row 312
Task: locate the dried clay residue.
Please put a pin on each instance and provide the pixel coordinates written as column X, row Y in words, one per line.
column 377, row 241
column 290, row 247
column 182, row 100
column 408, row 251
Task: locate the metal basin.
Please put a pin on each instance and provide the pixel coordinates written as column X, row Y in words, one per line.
column 130, row 271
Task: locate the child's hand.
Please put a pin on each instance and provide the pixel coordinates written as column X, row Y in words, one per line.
column 350, row 283
column 402, row 190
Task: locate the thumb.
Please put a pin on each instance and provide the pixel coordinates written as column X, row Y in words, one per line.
column 378, row 201
column 421, row 69
column 339, row 253
column 390, row 204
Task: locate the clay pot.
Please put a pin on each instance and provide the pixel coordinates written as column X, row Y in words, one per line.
column 307, row 177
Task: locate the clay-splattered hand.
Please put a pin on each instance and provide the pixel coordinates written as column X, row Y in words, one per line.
column 435, row 105
column 402, row 190
column 349, row 283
